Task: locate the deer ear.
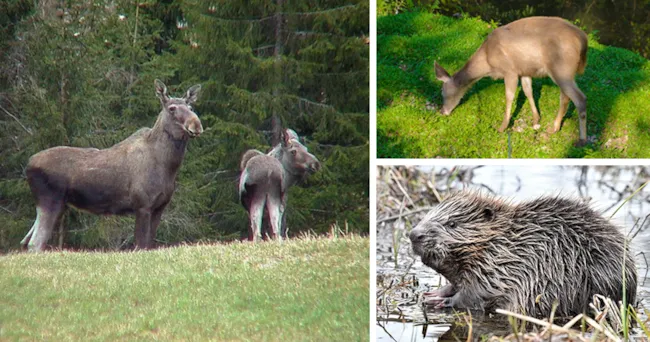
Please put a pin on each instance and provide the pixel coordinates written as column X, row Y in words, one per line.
column 441, row 73
column 192, row 94
column 161, row 90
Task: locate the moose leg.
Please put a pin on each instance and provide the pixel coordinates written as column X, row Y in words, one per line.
column 142, row 228
column 283, row 227
column 47, row 215
column 25, row 240
column 274, row 207
column 527, row 86
column 511, row 85
column 155, row 222
column 283, row 231
column 256, row 213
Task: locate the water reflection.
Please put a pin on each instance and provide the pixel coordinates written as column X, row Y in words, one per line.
column 403, row 277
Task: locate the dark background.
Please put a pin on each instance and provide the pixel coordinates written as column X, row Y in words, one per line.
column 623, row 24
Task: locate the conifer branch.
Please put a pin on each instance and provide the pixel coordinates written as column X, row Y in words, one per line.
column 18, row 121
column 300, row 14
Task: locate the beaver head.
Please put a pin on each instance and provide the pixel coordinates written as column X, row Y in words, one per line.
column 456, row 235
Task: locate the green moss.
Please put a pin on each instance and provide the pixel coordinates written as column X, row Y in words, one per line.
column 616, row 83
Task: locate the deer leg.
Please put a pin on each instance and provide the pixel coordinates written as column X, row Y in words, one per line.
column 256, row 213
column 527, row 86
column 564, row 104
column 47, row 215
column 142, row 228
column 511, row 85
column 580, row 101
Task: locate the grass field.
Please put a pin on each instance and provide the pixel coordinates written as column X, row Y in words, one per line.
column 409, row 125
column 300, row 290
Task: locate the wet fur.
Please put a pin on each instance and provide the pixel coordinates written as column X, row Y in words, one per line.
column 497, row 254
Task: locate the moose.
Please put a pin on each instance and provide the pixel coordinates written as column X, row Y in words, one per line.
column 135, row 176
column 526, row 48
column 266, row 178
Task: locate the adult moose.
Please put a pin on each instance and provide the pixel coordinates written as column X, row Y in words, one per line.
column 526, row 48
column 136, row 176
column 265, row 180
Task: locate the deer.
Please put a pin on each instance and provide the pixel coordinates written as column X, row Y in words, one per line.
column 266, row 178
column 526, row 48
column 135, row 176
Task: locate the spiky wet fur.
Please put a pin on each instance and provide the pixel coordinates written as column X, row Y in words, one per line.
column 526, row 256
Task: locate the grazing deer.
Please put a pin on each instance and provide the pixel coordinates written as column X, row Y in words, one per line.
column 136, row 176
column 265, row 180
column 526, row 48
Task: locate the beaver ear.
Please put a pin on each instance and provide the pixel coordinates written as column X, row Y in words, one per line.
column 488, row 213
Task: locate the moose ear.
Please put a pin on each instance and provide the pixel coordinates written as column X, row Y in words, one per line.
column 285, row 138
column 441, row 73
column 161, row 90
column 488, row 214
column 292, row 134
column 192, row 94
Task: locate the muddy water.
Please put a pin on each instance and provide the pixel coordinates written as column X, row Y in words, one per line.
column 401, row 277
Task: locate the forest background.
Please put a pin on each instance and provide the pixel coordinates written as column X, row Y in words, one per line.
column 81, row 73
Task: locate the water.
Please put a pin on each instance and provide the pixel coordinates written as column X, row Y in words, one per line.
column 406, row 277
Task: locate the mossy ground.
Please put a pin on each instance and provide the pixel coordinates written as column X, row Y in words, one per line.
column 409, row 125
column 300, row 290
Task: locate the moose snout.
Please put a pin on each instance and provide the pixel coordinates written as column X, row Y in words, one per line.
column 315, row 166
column 195, row 129
column 417, row 235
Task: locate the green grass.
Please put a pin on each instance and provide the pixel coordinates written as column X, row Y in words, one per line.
column 300, row 290
column 616, row 83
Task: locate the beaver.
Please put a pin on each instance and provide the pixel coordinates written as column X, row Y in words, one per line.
column 522, row 257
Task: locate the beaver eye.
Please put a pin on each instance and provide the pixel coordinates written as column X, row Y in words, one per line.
column 451, row 224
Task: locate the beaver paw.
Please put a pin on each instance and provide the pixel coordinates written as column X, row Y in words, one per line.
column 438, row 302
column 445, row 291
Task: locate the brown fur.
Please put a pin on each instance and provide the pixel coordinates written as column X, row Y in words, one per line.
column 261, row 186
column 295, row 162
column 526, row 48
column 136, row 176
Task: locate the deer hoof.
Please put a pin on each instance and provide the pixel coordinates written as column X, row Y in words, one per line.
column 551, row 130
column 580, row 143
column 536, row 126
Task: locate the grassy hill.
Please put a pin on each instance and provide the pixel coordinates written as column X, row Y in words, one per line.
column 409, row 125
column 312, row 289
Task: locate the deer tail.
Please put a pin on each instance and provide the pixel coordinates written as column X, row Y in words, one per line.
column 583, row 59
